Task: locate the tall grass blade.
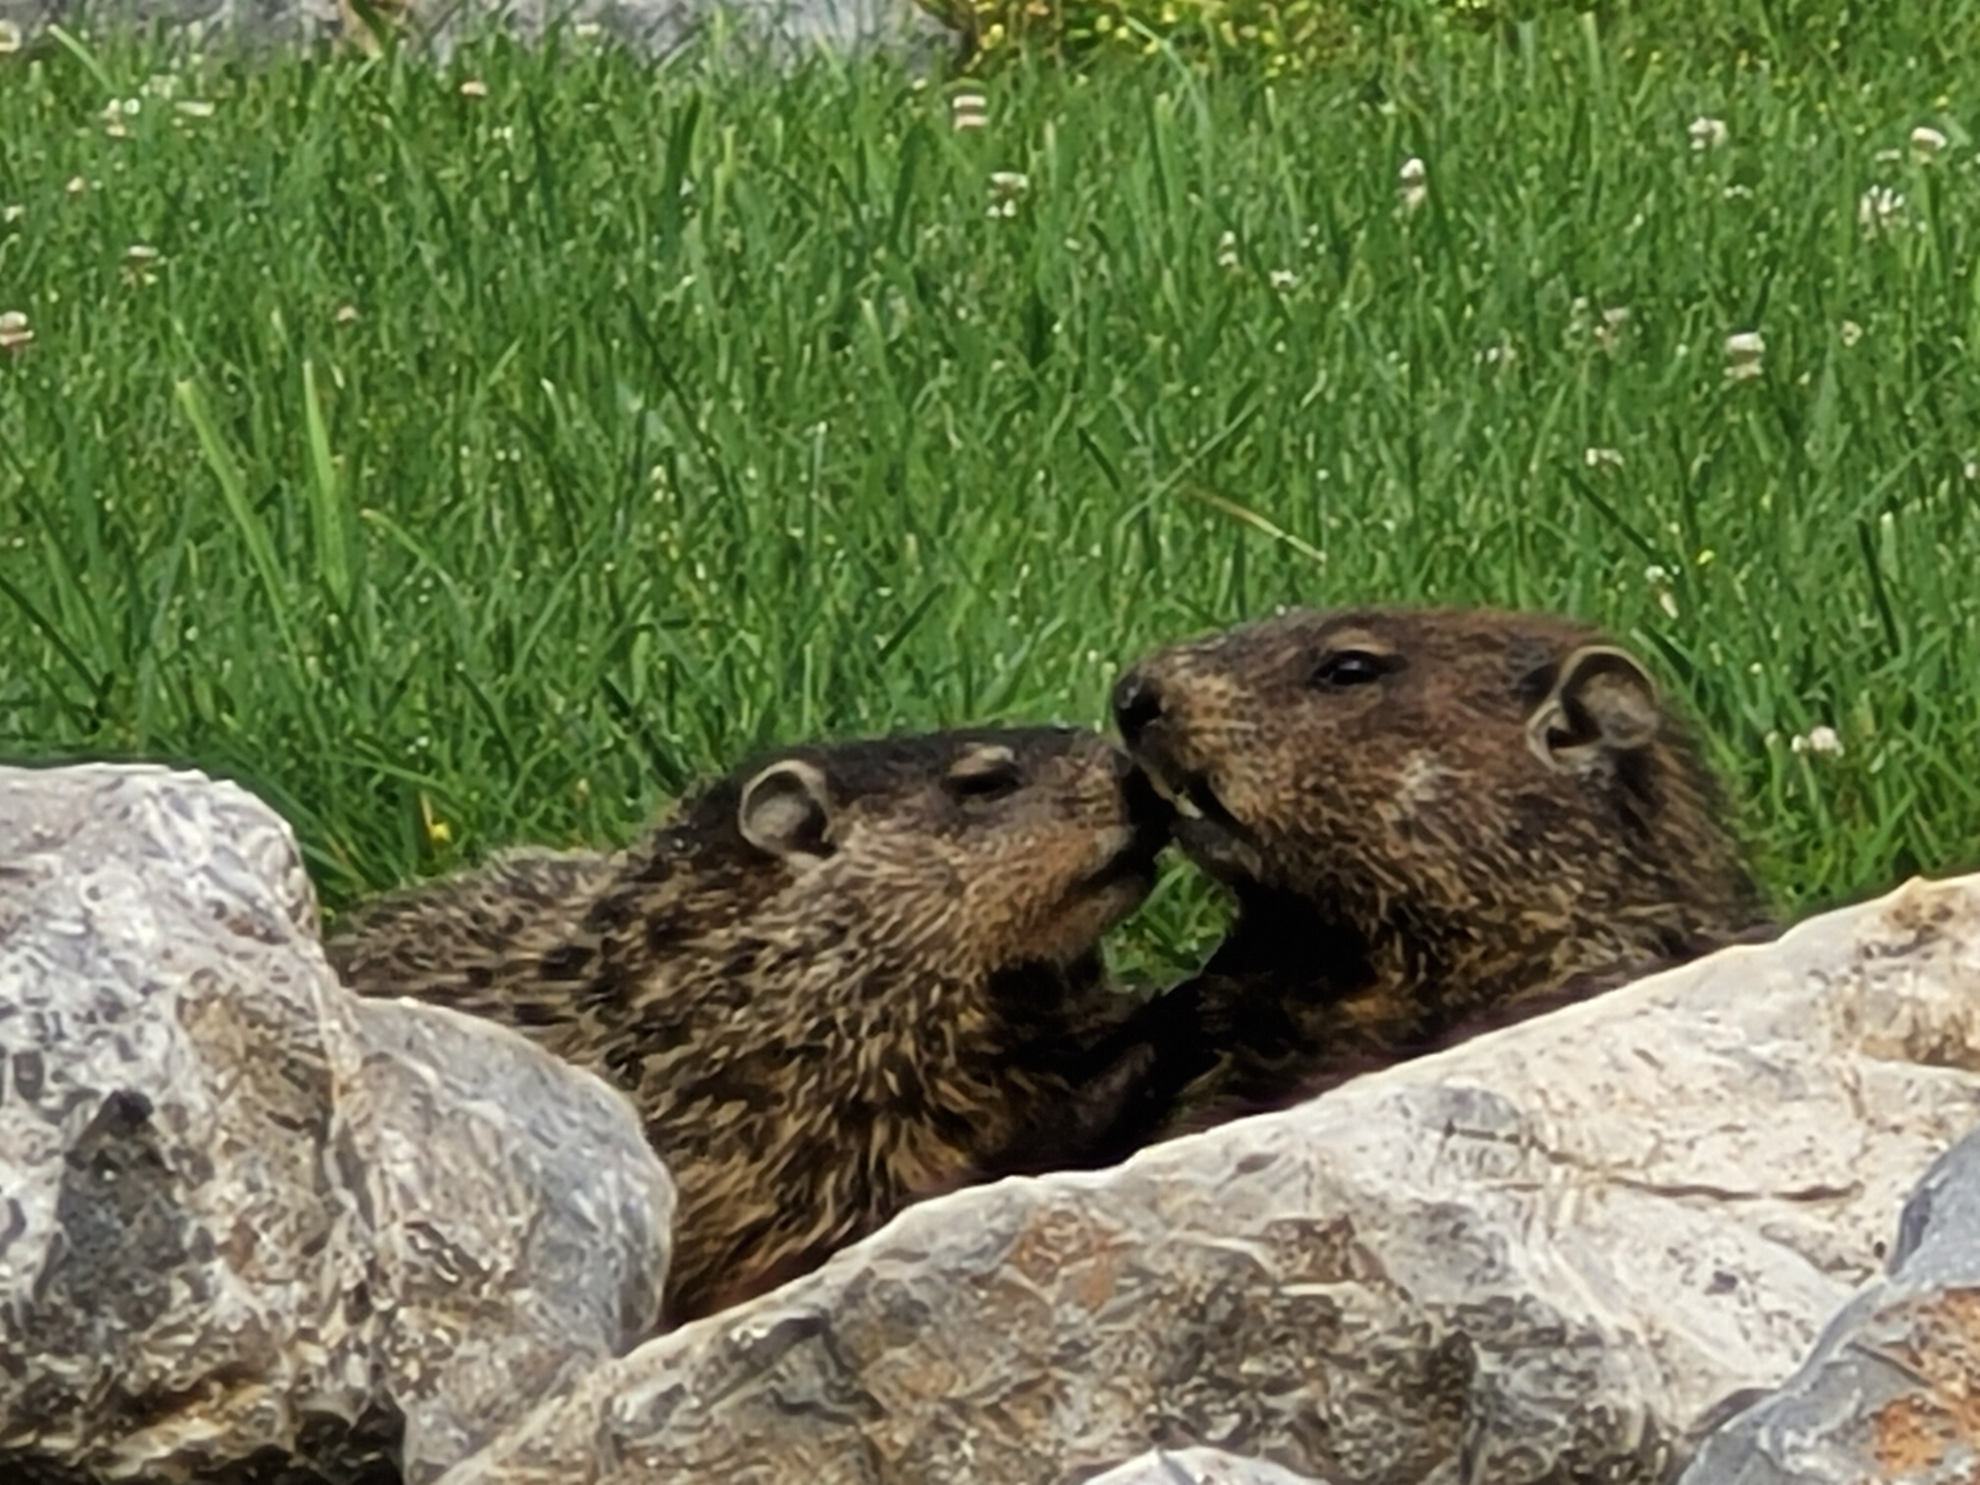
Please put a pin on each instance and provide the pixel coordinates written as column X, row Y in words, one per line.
column 233, row 492
column 326, row 497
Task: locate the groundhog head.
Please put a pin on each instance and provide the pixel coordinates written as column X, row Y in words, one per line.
column 1466, row 782
column 967, row 850
column 842, row 977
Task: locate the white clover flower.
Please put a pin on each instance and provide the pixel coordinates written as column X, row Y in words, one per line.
column 11, row 39
column 346, row 314
column 1743, row 355
column 474, row 87
column 1603, row 459
column 77, row 186
column 1283, row 279
column 194, row 108
column 969, row 111
column 1926, row 142
column 1879, row 209
column 12, row 213
column 1707, row 134
column 1227, row 252
column 1970, row 470
column 1851, row 333
column 141, row 261
column 117, row 114
column 1659, row 578
column 1007, row 188
column 1415, row 187
column 14, row 331
column 1817, row 740
column 161, row 85
column 1608, row 334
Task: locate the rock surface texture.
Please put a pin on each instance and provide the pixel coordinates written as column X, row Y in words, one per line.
column 1892, row 1391
column 1197, row 1467
column 1545, row 1255
column 246, row 1219
column 778, row 30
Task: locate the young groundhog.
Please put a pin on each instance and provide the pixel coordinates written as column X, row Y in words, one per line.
column 835, row 981
column 1432, row 822
column 471, row 931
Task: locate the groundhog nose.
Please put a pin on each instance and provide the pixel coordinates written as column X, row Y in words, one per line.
column 1137, row 706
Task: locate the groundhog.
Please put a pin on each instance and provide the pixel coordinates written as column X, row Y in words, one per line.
column 835, row 981
column 476, row 931
column 1432, row 822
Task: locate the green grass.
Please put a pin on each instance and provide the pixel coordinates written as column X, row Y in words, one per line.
column 486, row 467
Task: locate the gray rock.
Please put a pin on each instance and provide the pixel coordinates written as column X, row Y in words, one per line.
column 1543, row 1255
column 1892, row 1391
column 242, row 1210
column 778, row 31
column 253, row 24
column 1196, row 1467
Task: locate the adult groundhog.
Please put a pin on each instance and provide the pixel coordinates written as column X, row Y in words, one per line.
column 832, row 982
column 1432, row 822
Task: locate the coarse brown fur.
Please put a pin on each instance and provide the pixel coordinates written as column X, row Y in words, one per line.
column 484, row 929
column 832, row 982
column 1433, row 822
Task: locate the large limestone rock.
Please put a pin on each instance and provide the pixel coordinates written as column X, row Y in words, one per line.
column 1546, row 1255
column 1197, row 1467
column 1892, row 1392
column 246, row 1218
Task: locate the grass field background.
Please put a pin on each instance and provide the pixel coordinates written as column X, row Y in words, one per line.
column 474, row 453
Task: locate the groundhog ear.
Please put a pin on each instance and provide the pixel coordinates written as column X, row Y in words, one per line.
column 786, row 810
column 1603, row 702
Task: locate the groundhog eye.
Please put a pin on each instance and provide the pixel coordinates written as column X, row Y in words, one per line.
column 991, row 782
column 1352, row 668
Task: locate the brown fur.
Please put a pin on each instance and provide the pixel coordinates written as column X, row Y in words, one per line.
column 480, row 929
column 832, row 982
column 1433, row 822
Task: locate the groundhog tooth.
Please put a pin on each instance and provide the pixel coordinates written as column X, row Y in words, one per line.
column 1188, row 808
